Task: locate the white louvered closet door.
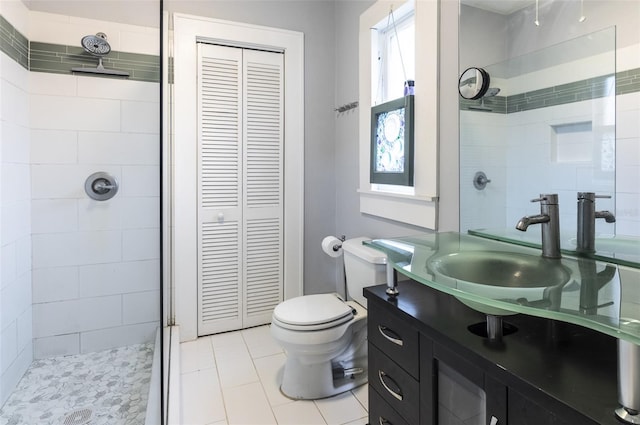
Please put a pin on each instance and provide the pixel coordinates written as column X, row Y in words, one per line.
column 240, row 114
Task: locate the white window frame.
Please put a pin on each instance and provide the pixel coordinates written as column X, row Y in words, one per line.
column 420, row 207
column 384, row 43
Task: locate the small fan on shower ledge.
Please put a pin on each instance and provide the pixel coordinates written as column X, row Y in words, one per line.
column 97, row 45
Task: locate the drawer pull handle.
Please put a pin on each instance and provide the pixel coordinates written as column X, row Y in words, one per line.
column 395, row 338
column 383, row 421
column 382, row 376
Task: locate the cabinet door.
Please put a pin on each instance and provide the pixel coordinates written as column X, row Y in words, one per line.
column 461, row 390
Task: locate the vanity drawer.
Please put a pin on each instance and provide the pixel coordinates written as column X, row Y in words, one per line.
column 399, row 389
column 396, row 338
column 381, row 413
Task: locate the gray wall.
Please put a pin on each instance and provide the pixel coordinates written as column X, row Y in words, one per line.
column 331, row 140
column 315, row 18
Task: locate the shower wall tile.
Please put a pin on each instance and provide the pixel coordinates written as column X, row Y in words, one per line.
column 64, row 317
column 14, row 148
column 118, row 89
column 73, row 113
column 140, row 244
column 16, row 299
column 118, row 148
column 93, row 215
column 54, row 215
column 54, row 147
column 137, row 308
column 15, row 105
column 103, row 339
column 627, row 123
column 140, row 212
column 53, row 284
column 8, row 259
column 140, row 181
column 119, row 278
column 8, row 346
column 54, row 346
column 72, row 249
column 140, row 117
column 52, row 84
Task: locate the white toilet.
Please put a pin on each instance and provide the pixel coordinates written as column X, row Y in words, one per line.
column 325, row 337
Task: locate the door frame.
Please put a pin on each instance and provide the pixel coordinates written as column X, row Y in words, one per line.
column 187, row 29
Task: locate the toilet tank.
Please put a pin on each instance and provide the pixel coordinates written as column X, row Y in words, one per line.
column 363, row 266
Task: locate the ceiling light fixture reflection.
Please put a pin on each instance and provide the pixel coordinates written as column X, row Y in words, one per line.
column 582, row 17
column 537, row 22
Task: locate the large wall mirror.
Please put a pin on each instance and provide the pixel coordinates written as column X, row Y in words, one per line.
column 547, row 123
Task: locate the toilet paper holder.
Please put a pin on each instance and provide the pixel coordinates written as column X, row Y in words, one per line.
column 332, row 246
column 336, row 247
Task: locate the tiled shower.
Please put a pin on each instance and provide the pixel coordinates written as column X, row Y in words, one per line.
column 78, row 276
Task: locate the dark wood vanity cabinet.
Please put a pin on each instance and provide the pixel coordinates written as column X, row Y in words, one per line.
column 426, row 367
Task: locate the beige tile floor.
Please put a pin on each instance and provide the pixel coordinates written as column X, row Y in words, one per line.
column 233, row 378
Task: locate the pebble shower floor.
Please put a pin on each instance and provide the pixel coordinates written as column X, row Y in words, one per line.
column 102, row 388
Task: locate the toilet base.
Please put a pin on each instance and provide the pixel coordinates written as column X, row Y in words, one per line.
column 313, row 381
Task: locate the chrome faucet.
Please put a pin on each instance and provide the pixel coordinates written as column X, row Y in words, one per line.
column 587, row 216
column 549, row 218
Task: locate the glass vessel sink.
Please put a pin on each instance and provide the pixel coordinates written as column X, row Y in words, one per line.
column 525, row 279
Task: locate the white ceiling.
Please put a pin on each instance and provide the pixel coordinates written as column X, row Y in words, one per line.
column 503, row 7
column 135, row 12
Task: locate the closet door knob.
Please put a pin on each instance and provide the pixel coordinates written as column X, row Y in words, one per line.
column 220, row 217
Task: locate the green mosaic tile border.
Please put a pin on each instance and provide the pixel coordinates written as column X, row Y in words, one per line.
column 628, row 81
column 592, row 88
column 13, row 43
column 59, row 59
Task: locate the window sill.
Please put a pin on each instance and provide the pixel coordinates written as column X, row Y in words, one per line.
column 418, row 210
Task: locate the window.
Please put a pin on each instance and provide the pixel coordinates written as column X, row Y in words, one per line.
column 392, row 112
column 379, row 53
column 395, row 46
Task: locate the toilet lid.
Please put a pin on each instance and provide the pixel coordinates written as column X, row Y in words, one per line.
column 311, row 310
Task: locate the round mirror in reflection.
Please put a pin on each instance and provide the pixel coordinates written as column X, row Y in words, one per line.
column 473, row 83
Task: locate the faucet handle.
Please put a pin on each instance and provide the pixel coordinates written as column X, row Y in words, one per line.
column 549, row 199
column 591, row 196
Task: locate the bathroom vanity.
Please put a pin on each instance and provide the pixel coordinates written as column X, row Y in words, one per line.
column 431, row 361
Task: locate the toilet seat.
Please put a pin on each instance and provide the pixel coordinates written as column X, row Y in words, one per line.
column 312, row 312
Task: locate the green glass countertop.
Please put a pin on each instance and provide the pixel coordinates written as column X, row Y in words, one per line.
column 623, row 250
column 584, row 291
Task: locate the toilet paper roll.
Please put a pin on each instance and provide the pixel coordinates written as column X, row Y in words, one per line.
column 332, row 246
